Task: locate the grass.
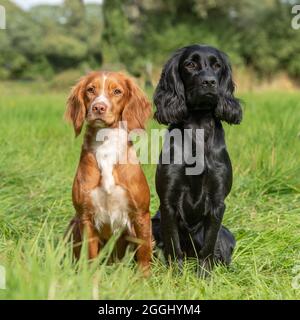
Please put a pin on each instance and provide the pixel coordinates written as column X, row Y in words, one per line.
column 38, row 160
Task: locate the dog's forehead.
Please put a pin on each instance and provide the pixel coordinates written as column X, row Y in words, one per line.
column 116, row 79
column 198, row 52
column 95, row 79
column 104, row 79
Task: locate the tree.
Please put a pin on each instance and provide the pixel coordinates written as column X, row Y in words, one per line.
column 74, row 15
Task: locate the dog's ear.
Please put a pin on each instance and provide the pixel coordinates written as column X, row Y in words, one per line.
column 228, row 108
column 76, row 110
column 169, row 97
column 138, row 108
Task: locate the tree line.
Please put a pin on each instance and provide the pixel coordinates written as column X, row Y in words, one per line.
column 139, row 35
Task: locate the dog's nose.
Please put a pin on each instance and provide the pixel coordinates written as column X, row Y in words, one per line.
column 99, row 108
column 209, row 82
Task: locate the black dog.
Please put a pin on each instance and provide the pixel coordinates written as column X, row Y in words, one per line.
column 195, row 91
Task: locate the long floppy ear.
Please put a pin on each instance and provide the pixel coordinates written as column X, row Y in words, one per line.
column 228, row 108
column 76, row 110
column 169, row 97
column 138, row 109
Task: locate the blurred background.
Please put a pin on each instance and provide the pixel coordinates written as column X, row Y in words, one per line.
column 55, row 42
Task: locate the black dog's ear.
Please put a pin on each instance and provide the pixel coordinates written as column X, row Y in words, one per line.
column 228, row 108
column 169, row 97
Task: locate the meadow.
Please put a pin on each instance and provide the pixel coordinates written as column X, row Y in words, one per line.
column 38, row 159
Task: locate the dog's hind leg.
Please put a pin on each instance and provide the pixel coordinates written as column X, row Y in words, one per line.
column 223, row 250
column 224, row 246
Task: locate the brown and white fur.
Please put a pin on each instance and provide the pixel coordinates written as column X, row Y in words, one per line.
column 109, row 196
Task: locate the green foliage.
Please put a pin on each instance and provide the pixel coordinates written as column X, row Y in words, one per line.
column 64, row 51
column 49, row 39
column 138, row 35
column 270, row 44
column 66, row 79
column 38, row 159
column 256, row 34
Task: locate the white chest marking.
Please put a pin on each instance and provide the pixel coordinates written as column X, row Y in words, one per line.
column 110, row 200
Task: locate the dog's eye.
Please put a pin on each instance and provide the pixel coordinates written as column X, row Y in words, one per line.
column 117, row 92
column 190, row 65
column 91, row 90
column 216, row 66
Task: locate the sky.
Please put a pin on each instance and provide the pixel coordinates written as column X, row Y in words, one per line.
column 29, row 3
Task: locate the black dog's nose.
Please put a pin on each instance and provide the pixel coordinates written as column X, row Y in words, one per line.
column 209, row 81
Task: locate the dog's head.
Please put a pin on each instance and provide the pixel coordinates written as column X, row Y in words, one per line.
column 105, row 98
column 197, row 77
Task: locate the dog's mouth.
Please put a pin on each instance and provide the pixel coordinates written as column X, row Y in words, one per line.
column 202, row 100
column 209, row 94
column 96, row 122
column 209, row 97
column 202, row 93
column 99, row 123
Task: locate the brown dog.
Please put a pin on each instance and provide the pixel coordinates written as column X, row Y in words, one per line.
column 110, row 196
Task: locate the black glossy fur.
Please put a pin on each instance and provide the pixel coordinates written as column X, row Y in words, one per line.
column 196, row 91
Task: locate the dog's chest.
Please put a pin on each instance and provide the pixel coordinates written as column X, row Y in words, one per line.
column 110, row 200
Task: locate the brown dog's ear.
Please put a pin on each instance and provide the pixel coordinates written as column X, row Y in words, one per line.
column 76, row 110
column 138, row 109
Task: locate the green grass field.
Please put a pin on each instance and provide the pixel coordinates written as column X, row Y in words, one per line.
column 38, row 159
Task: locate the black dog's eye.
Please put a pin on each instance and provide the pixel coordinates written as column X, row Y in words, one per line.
column 91, row 90
column 216, row 66
column 190, row 65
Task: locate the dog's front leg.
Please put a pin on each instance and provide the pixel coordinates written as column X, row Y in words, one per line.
column 212, row 227
column 170, row 235
column 142, row 226
column 88, row 231
column 77, row 229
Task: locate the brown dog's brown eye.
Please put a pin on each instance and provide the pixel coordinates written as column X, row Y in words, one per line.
column 191, row 65
column 117, row 92
column 91, row 90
